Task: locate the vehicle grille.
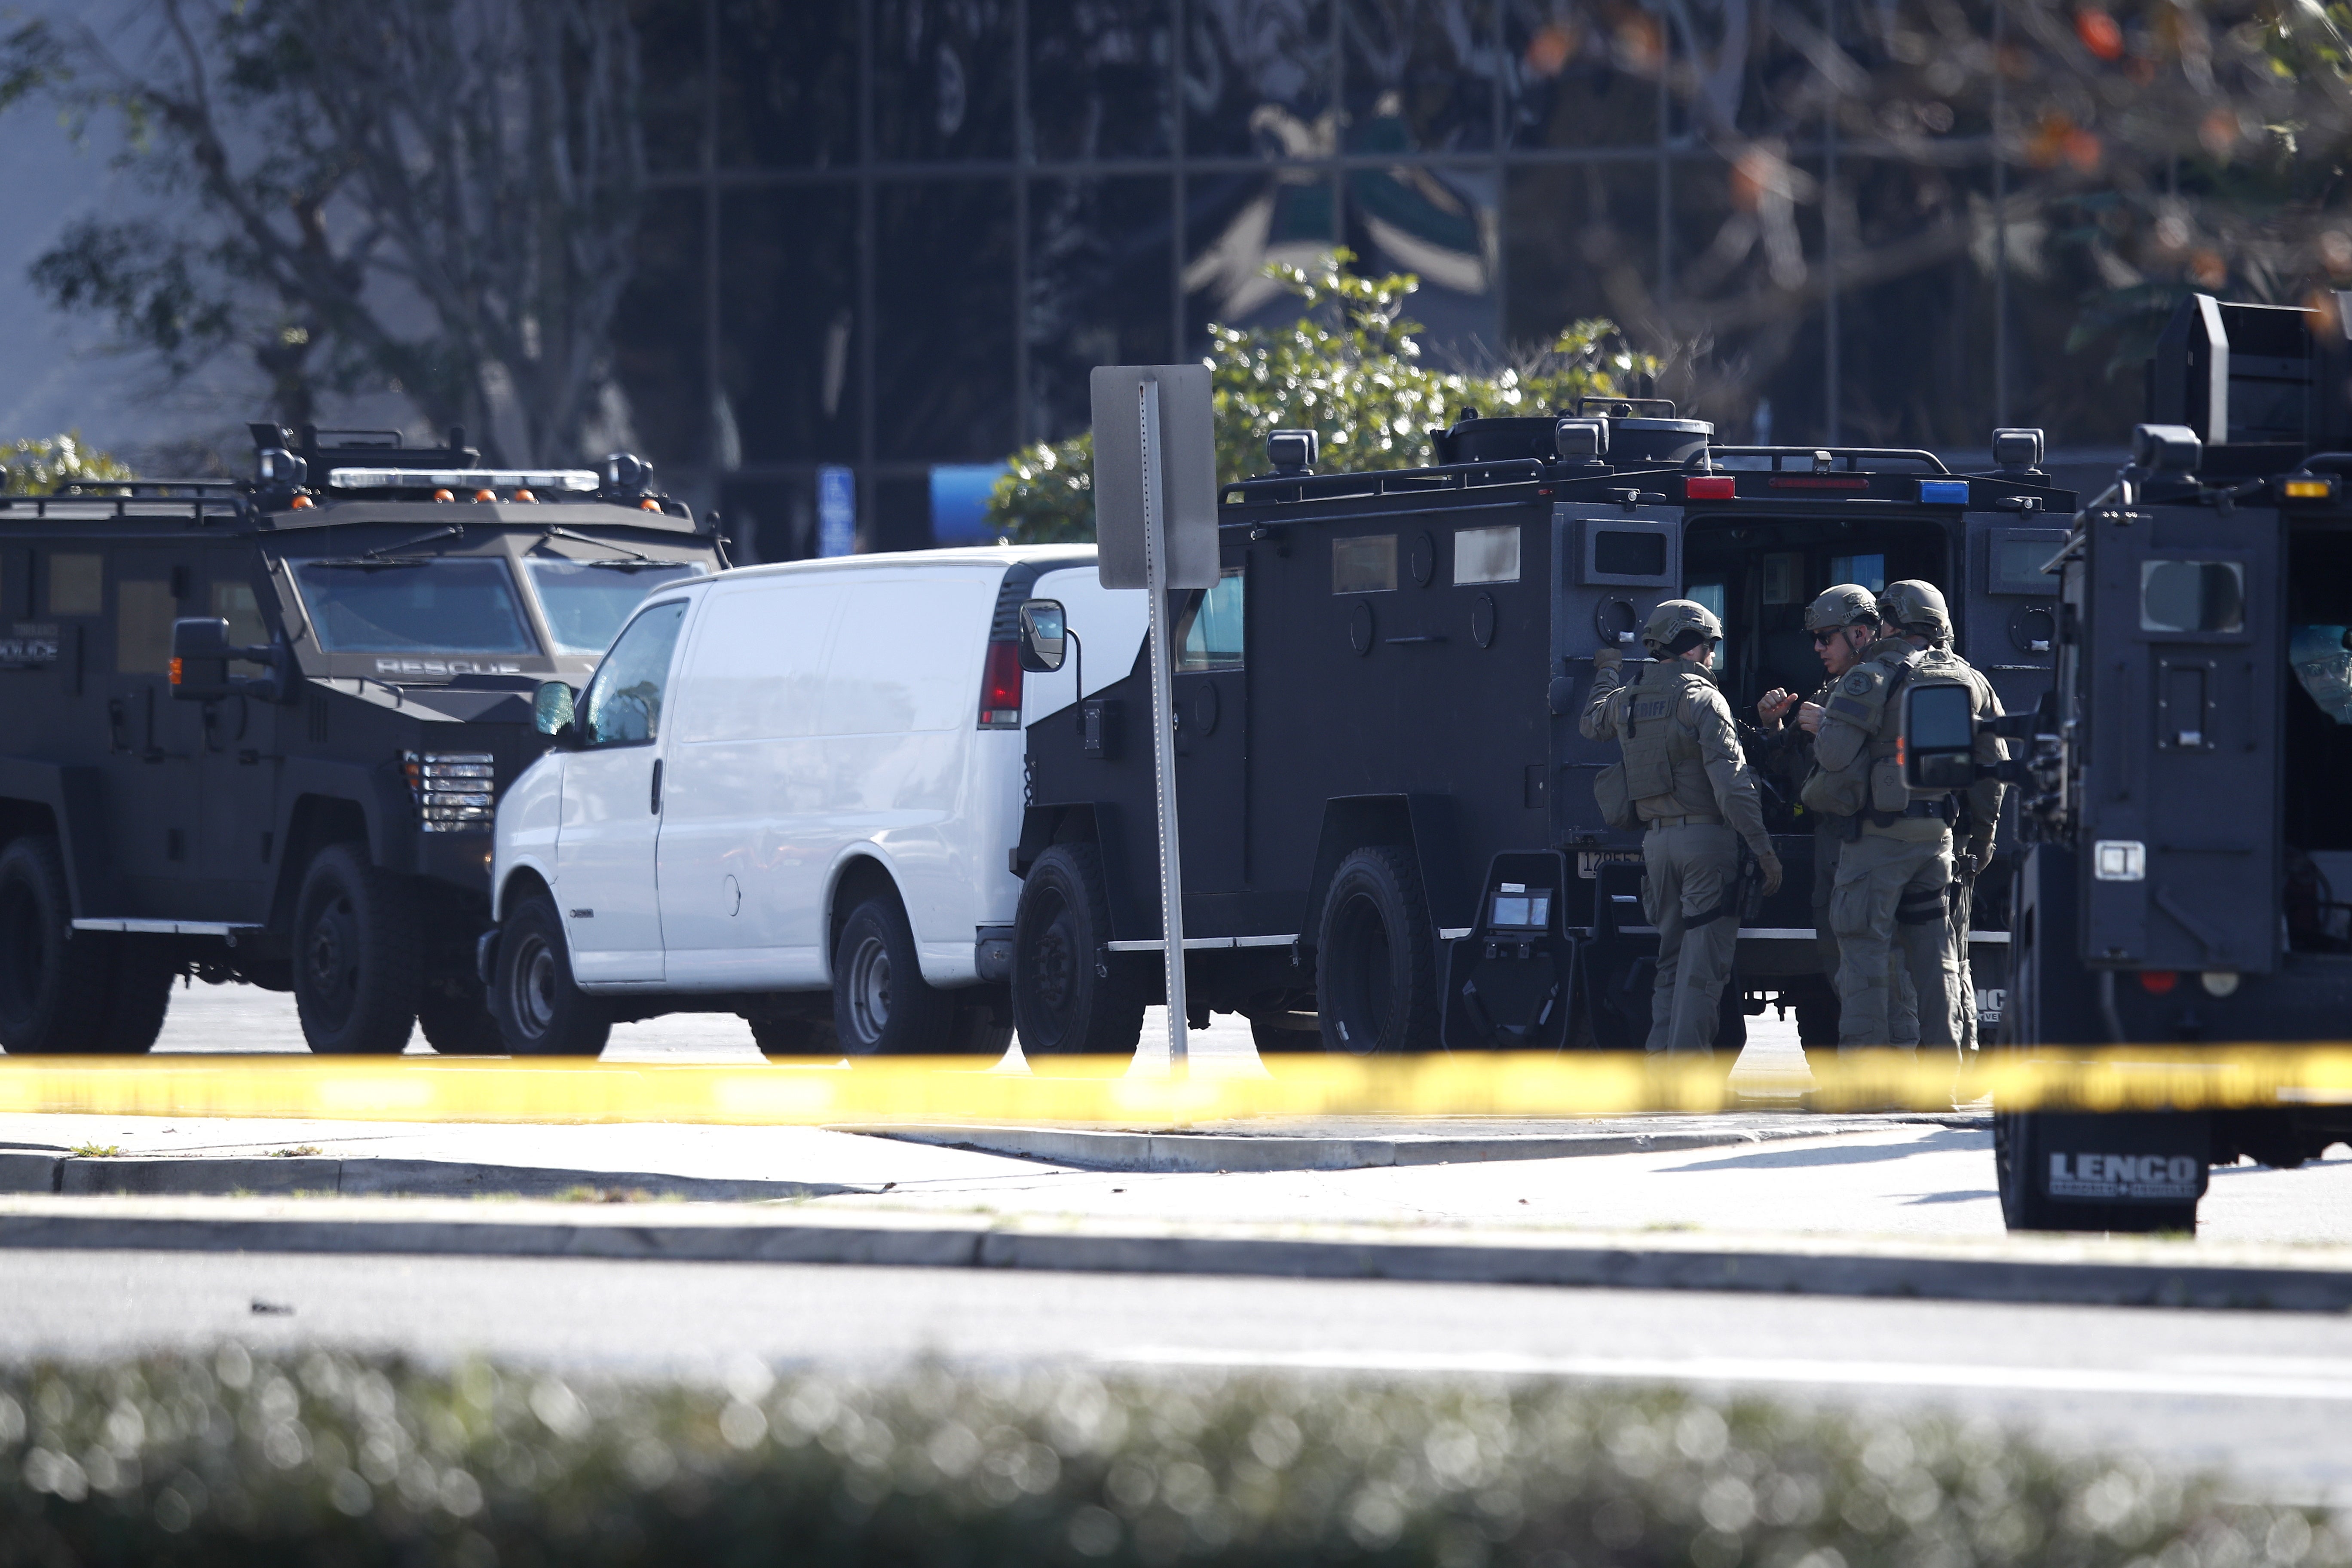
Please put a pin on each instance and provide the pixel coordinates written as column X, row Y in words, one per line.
column 456, row 792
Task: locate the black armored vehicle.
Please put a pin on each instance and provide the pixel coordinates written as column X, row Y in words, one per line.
column 256, row 730
column 2187, row 875
column 1388, row 835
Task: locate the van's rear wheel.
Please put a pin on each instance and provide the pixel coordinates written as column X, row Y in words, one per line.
column 357, row 948
column 539, row 1011
column 1376, row 973
column 68, row 991
column 882, row 1006
column 1069, row 993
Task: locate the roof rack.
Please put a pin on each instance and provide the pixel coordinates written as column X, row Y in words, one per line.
column 1384, row 481
column 148, row 487
column 1852, row 457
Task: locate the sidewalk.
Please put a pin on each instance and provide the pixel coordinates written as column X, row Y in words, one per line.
column 1775, row 1192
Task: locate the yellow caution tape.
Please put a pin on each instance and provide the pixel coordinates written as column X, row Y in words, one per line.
column 1113, row 1090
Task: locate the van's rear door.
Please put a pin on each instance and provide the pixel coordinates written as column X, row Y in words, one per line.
column 2009, row 626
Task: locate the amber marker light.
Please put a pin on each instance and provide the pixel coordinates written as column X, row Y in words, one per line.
column 443, row 495
column 526, row 496
column 649, row 504
column 485, row 495
column 175, row 672
column 303, row 503
column 2308, row 489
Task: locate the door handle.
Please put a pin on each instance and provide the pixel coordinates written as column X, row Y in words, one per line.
column 656, row 800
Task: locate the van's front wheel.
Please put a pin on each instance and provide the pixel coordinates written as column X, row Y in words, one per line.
column 1069, row 993
column 539, row 1011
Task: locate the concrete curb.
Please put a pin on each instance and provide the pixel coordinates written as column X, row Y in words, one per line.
column 169, row 1175
column 1216, row 1152
column 2084, row 1272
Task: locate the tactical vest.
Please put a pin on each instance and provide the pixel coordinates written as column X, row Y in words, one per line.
column 1665, row 775
column 1869, row 697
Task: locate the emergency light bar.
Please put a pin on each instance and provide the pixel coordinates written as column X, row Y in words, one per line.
column 580, row 482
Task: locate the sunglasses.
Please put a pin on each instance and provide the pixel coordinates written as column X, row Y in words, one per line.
column 1824, row 639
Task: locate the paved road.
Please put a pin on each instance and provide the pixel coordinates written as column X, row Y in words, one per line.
column 2265, row 1395
column 244, row 1018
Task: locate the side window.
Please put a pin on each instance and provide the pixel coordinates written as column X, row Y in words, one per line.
column 625, row 701
column 1208, row 632
column 1715, row 597
column 144, row 608
column 77, row 584
column 1364, row 564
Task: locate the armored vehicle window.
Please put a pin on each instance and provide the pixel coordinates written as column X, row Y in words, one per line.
column 1869, row 571
column 234, row 602
column 2322, row 664
column 587, row 600
column 143, row 627
column 2192, row 597
column 1208, row 632
column 1366, row 564
column 1619, row 554
column 77, row 584
column 414, row 607
column 1716, row 596
column 1486, row 555
column 623, row 702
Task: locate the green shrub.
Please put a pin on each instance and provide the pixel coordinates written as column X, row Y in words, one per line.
column 37, row 466
column 333, row 1460
column 1350, row 369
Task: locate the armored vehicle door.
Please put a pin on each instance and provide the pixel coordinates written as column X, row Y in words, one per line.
column 239, row 763
column 153, row 743
column 1615, row 564
column 2183, row 649
column 2009, row 626
column 1211, row 696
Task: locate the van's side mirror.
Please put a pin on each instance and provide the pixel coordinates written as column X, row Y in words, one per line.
column 1044, row 633
column 550, row 711
column 199, row 655
column 1938, row 739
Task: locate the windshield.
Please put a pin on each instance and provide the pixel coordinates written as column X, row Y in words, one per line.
column 587, row 600
column 441, row 606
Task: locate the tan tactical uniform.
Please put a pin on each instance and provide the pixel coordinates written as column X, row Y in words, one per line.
column 1895, row 865
column 1788, row 753
column 1691, row 786
column 1982, row 820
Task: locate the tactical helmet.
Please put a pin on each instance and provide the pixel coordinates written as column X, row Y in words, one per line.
column 1917, row 607
column 1846, row 605
column 1676, row 617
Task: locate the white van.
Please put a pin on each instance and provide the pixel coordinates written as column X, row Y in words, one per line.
column 791, row 792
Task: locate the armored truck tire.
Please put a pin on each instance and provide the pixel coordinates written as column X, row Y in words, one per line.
column 357, row 949
column 63, row 991
column 457, row 1022
column 539, row 1011
column 794, row 1035
column 1375, row 957
column 882, row 1006
column 1069, row 994
column 1278, row 1033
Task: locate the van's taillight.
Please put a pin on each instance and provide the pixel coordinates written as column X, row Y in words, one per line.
column 1000, row 688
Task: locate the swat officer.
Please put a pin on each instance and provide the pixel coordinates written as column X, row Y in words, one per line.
column 1916, row 612
column 1896, row 858
column 1844, row 621
column 1690, row 784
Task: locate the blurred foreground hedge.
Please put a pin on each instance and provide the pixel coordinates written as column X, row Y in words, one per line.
column 330, row 1460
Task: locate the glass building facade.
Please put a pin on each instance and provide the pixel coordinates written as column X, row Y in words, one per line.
column 894, row 235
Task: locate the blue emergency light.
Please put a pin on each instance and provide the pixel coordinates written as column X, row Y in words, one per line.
column 1942, row 492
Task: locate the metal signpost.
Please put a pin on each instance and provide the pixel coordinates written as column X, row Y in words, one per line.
column 1156, row 529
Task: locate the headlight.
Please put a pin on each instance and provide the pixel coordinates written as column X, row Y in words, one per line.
column 456, row 792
